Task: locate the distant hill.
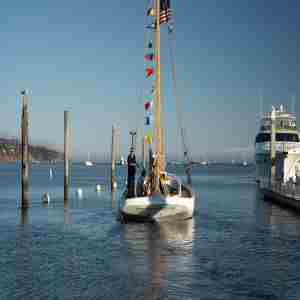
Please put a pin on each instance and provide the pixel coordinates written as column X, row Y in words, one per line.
column 10, row 151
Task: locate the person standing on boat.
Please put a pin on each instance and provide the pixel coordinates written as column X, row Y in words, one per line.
column 131, row 167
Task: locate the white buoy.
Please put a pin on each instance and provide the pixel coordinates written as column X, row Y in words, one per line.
column 46, row 198
column 79, row 193
column 98, row 188
column 115, row 185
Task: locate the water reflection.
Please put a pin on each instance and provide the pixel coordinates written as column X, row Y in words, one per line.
column 113, row 200
column 24, row 217
column 66, row 213
column 155, row 253
column 24, row 258
column 283, row 229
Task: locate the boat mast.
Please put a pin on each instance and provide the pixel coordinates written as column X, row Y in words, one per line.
column 160, row 159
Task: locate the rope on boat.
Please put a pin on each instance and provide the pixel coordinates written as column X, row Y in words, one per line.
column 186, row 155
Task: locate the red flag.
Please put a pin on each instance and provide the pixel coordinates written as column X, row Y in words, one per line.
column 149, row 72
column 148, row 105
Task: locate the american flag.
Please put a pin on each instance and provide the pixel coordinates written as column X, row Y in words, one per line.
column 165, row 11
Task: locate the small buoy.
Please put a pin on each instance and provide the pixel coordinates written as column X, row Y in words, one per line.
column 98, row 187
column 115, row 185
column 46, row 198
column 79, row 193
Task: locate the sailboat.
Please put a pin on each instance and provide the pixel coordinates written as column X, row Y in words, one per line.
column 158, row 195
column 88, row 162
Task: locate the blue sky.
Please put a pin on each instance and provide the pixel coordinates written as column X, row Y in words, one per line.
column 87, row 57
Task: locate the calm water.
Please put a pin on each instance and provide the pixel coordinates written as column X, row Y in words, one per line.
column 236, row 247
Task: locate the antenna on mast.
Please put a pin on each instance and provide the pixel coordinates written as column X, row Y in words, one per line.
column 293, row 104
column 261, row 108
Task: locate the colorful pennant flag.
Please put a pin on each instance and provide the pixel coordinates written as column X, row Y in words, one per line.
column 151, row 26
column 149, row 137
column 149, row 56
column 170, row 28
column 148, row 120
column 149, row 71
column 165, row 11
column 151, row 12
column 148, row 105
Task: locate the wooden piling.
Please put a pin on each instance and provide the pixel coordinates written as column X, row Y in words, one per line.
column 66, row 155
column 113, row 159
column 25, row 152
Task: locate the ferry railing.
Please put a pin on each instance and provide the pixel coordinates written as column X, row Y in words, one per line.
column 280, row 146
column 289, row 189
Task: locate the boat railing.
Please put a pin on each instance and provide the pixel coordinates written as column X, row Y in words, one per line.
column 173, row 178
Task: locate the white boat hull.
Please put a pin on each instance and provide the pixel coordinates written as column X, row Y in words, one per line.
column 88, row 163
column 155, row 208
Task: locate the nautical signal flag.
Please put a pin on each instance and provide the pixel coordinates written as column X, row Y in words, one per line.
column 148, row 120
column 165, row 11
column 149, row 71
column 151, row 26
column 149, row 137
column 149, row 56
column 170, row 28
column 148, row 105
column 151, row 12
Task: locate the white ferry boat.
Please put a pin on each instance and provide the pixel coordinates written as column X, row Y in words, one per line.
column 287, row 147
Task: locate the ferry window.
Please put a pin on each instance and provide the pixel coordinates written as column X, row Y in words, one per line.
column 263, row 137
column 280, row 137
column 265, row 128
column 286, row 124
column 287, row 137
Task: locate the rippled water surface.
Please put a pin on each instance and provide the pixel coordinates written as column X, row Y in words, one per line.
column 236, row 247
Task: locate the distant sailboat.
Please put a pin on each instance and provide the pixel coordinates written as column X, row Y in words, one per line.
column 88, row 162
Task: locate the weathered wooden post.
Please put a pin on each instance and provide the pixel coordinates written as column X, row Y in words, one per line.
column 113, row 158
column 273, row 146
column 24, row 217
column 66, row 155
column 25, row 152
